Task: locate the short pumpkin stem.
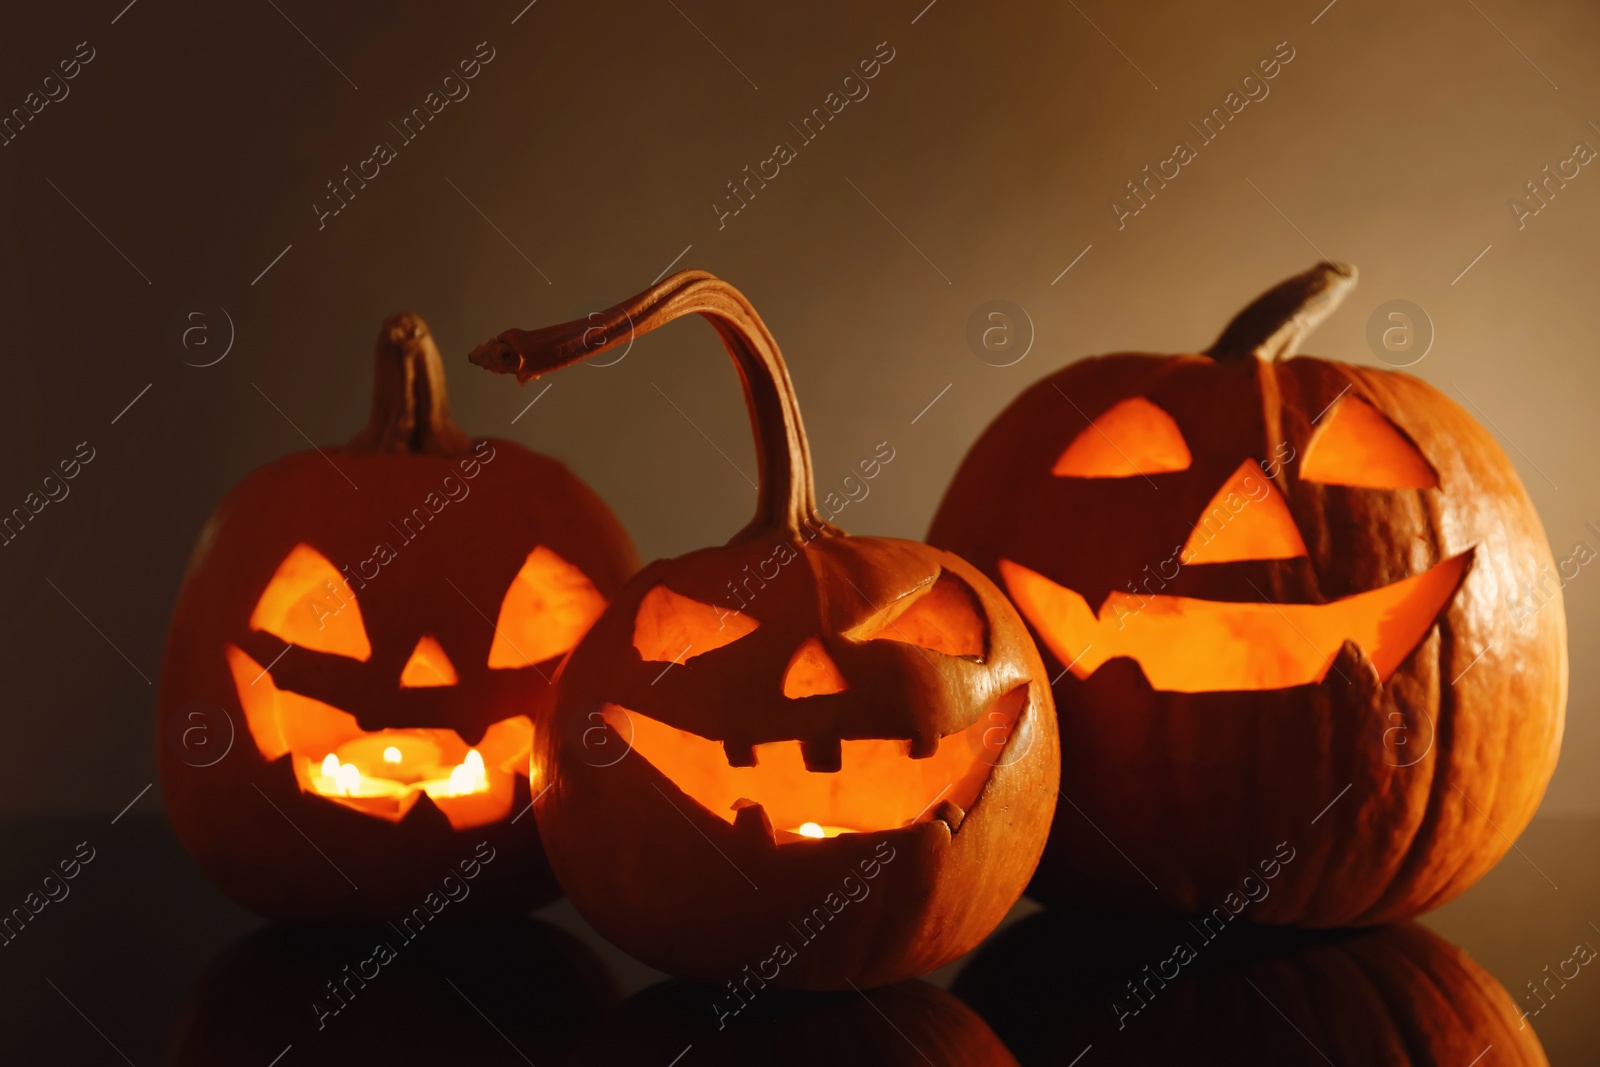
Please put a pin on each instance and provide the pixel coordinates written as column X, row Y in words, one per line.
column 410, row 409
column 1275, row 323
column 786, row 498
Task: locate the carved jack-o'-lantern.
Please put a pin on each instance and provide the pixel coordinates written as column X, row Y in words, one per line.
column 352, row 673
column 811, row 758
column 1269, row 587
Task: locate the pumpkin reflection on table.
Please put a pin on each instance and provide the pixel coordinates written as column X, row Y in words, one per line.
column 1389, row 996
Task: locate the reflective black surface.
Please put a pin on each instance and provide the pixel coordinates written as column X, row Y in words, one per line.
column 136, row 958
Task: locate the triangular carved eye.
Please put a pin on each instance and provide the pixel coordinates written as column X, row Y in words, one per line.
column 812, row 672
column 1359, row 447
column 672, row 628
column 309, row 603
column 943, row 616
column 1132, row 437
column 549, row 606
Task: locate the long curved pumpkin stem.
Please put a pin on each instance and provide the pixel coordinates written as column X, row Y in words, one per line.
column 410, row 409
column 1275, row 323
column 786, row 499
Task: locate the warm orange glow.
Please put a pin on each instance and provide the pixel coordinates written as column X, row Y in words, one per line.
column 308, row 603
column 548, row 607
column 428, row 666
column 1247, row 519
column 671, row 628
column 811, row 672
column 1132, row 437
column 878, row 786
column 1357, row 446
column 818, row 832
column 942, row 615
column 1202, row 646
column 382, row 772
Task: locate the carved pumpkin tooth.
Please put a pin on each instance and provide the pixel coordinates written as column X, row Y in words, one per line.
column 950, row 813
column 824, row 757
column 396, row 756
column 715, row 628
column 1333, row 573
column 1352, row 666
column 750, row 819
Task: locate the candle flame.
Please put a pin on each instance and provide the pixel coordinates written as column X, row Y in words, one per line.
column 391, row 755
column 811, row 829
column 348, row 779
column 330, row 766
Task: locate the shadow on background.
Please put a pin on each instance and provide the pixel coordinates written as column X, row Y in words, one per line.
column 488, row 993
column 1059, row 982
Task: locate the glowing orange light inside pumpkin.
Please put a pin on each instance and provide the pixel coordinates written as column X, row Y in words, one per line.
column 548, row 607
column 811, row 672
column 309, row 603
column 941, row 615
column 427, row 666
column 878, row 785
column 382, row 772
column 1247, row 519
column 1357, row 446
column 1199, row 646
column 672, row 628
column 1132, row 437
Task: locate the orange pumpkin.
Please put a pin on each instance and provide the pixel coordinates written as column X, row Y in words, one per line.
column 352, row 672
column 1395, row 996
column 846, row 777
column 1274, row 592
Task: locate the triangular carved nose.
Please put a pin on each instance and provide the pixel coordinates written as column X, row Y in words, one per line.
column 1247, row 519
column 811, row 672
column 428, row 666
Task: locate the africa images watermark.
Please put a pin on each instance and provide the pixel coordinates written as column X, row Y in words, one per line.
column 451, row 890
column 1156, row 976
column 454, row 89
column 52, row 890
column 1542, row 189
column 851, row 890
column 855, row 89
column 1211, row 126
column 54, row 91
column 855, row 490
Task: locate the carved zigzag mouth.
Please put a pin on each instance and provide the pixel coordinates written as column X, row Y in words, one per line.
column 1186, row 645
column 877, row 787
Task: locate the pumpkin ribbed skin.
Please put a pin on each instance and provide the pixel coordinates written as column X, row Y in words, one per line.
column 1425, row 777
column 711, row 888
column 295, row 855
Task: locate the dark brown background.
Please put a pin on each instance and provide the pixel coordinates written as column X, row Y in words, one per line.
column 596, row 141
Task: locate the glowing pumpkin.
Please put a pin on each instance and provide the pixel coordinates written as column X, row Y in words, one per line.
column 842, row 776
column 353, row 671
column 1273, row 592
column 1399, row 995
